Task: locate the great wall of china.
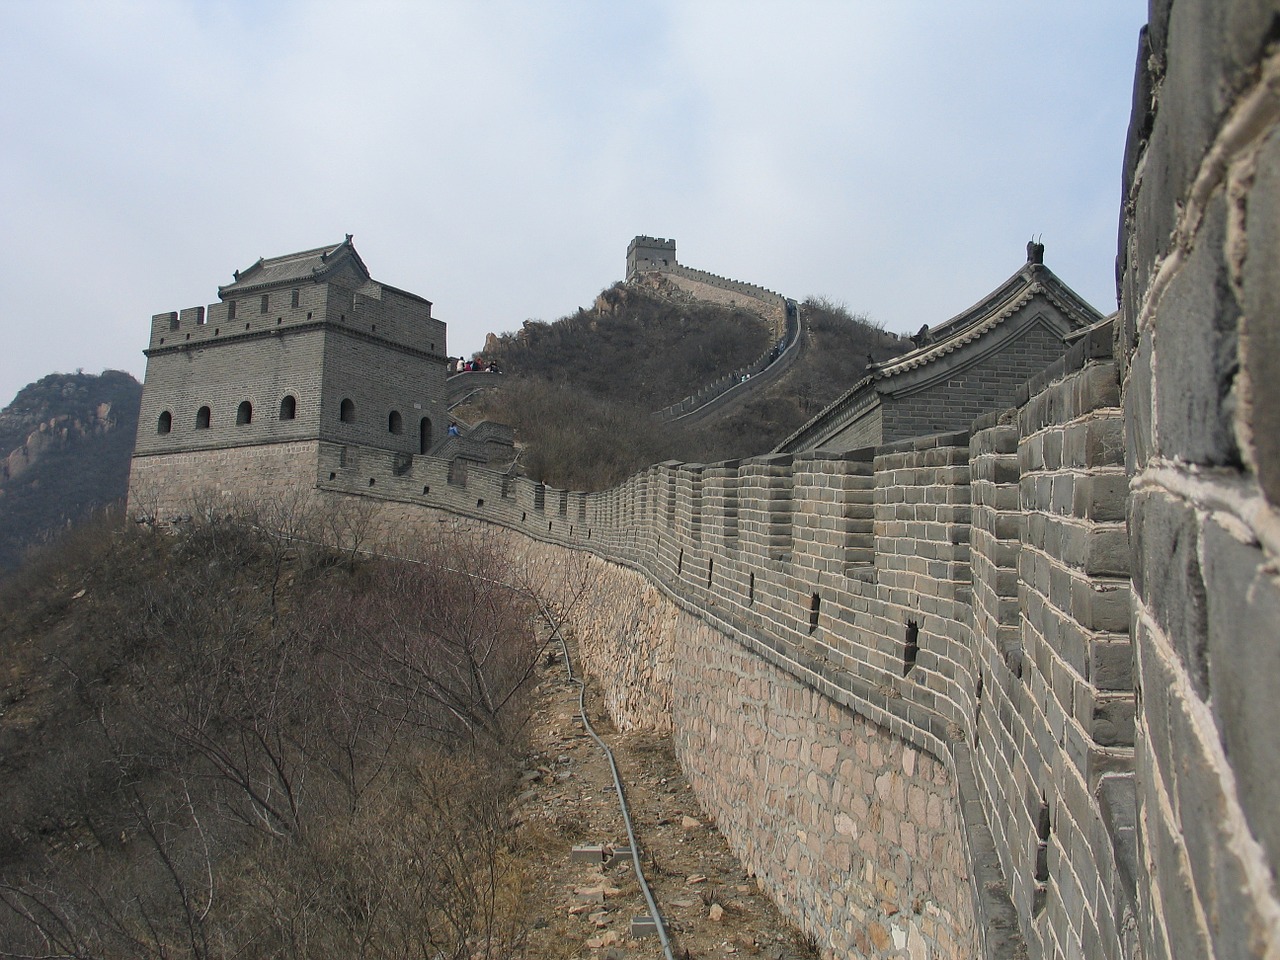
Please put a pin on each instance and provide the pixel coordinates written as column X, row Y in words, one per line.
column 999, row 692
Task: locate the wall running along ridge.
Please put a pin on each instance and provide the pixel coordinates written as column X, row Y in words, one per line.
column 1004, row 692
column 813, row 630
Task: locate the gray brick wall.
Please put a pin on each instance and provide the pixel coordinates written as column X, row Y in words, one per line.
column 987, row 385
column 1201, row 352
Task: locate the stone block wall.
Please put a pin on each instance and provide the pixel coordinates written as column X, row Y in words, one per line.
column 178, row 485
column 262, row 371
column 1200, row 340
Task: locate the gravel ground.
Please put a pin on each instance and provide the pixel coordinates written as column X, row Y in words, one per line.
column 710, row 906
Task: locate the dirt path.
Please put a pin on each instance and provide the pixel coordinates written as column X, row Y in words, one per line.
column 710, row 906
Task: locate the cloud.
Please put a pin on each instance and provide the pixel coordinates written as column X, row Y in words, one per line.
column 497, row 157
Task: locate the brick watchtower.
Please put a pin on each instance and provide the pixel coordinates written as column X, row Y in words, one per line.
column 300, row 349
column 650, row 253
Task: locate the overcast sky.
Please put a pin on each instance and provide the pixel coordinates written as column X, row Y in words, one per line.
column 497, row 157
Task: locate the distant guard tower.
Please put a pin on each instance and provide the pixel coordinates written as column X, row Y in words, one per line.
column 650, row 253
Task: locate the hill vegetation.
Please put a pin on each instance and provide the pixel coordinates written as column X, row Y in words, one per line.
column 221, row 743
column 581, row 392
column 65, row 445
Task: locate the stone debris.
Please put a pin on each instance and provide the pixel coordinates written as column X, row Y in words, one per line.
column 594, row 906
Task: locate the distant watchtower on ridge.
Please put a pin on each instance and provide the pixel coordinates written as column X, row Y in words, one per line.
column 650, row 253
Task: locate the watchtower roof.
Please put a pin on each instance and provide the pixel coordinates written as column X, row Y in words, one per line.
column 305, row 265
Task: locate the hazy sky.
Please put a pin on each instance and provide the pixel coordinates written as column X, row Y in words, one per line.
column 497, row 157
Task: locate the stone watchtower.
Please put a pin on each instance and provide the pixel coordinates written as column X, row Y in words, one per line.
column 650, row 253
column 299, row 350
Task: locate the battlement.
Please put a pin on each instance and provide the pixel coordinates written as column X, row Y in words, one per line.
column 650, row 253
column 374, row 311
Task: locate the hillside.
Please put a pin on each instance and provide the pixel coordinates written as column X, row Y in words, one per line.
column 317, row 750
column 581, row 392
column 65, row 444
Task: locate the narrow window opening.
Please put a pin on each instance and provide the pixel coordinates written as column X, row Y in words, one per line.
column 372, row 481
column 202, row 418
column 588, row 533
column 751, row 589
column 342, row 457
column 279, row 320
column 288, row 408
column 308, row 314
column 244, row 413
column 548, row 526
column 332, row 475
column 680, row 564
column 424, row 435
column 165, row 423
column 347, row 411
column 216, row 331
column 394, row 423
column 294, row 299
column 231, row 309
column 266, row 303
column 815, row 606
column 479, row 503
column 524, row 515
column 426, row 489
column 711, row 565
column 1044, row 828
column 912, row 647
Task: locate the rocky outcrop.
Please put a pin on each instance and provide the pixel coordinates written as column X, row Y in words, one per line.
column 65, row 444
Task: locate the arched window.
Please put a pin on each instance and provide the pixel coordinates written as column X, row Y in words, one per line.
column 202, row 418
column 244, row 413
column 424, row 435
column 347, row 412
column 288, row 408
column 165, row 423
column 394, row 423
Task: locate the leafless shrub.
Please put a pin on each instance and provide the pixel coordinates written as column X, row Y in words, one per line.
column 305, row 767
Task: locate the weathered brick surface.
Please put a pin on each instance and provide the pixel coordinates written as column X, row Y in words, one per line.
column 1199, row 282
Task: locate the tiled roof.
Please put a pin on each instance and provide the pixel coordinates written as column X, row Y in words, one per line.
column 998, row 306
column 1002, row 303
column 293, row 267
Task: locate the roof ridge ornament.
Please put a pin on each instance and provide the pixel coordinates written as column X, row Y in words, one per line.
column 1035, row 251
